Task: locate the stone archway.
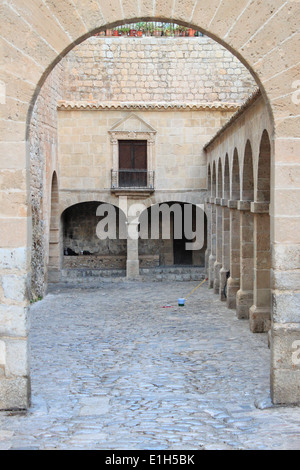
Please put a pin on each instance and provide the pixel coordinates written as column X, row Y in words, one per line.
column 225, row 271
column 173, row 233
column 54, row 236
column 94, row 239
column 233, row 283
column 48, row 30
column 260, row 312
column 245, row 294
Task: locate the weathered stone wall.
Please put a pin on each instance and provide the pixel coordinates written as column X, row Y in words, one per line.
column 150, row 69
column 43, row 161
column 86, row 156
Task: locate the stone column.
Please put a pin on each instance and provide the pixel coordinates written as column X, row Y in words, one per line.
column 132, row 264
column 208, row 250
column 233, row 283
column 167, row 244
column 212, row 256
column 218, row 262
column 244, row 300
column 260, row 312
column 225, row 248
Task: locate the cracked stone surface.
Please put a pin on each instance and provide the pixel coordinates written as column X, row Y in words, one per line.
column 112, row 369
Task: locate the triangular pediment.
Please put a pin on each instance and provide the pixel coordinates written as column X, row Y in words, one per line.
column 132, row 123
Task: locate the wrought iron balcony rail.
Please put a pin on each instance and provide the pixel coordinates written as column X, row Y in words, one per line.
column 132, row 179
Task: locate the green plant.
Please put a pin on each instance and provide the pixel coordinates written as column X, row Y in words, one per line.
column 36, row 299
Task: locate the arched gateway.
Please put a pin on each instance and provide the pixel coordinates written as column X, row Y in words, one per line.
column 263, row 35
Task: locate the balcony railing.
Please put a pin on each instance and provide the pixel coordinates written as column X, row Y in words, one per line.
column 132, row 179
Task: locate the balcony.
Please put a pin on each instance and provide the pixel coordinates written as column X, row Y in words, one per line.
column 138, row 183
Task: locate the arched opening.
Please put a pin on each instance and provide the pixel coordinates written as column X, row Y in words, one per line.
column 219, row 225
column 94, row 240
column 225, row 271
column 208, row 213
column 235, row 177
column 173, row 234
column 212, row 257
column 214, row 181
column 54, row 235
column 209, row 180
column 245, row 294
column 73, row 24
column 97, row 30
column 233, row 283
column 264, row 170
column 219, row 179
column 226, row 184
column 248, row 175
column 260, row 312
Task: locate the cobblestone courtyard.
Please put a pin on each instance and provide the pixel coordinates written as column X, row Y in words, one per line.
column 113, row 369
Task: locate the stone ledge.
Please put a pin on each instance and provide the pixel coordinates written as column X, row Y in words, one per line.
column 232, row 204
column 244, row 205
column 260, row 207
column 64, row 105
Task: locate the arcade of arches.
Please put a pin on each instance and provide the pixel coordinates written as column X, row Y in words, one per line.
column 234, row 150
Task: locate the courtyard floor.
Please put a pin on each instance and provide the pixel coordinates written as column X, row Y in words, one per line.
column 112, row 369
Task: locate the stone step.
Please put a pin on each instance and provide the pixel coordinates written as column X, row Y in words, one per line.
column 162, row 273
column 72, row 274
column 174, row 273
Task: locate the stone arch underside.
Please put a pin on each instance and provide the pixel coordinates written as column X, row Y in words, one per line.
column 49, row 30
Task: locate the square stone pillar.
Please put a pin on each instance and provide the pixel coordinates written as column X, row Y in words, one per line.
column 218, row 262
column 244, row 299
column 209, row 241
column 285, row 325
column 225, row 249
column 260, row 312
column 233, row 283
column 132, row 264
column 212, row 256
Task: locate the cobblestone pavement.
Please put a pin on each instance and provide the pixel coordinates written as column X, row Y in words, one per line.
column 112, row 369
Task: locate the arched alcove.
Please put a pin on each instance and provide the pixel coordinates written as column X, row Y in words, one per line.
column 94, row 237
column 233, row 283
column 264, row 169
column 173, row 234
column 54, row 233
column 226, row 184
column 248, row 175
column 235, row 177
column 245, row 294
column 260, row 312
